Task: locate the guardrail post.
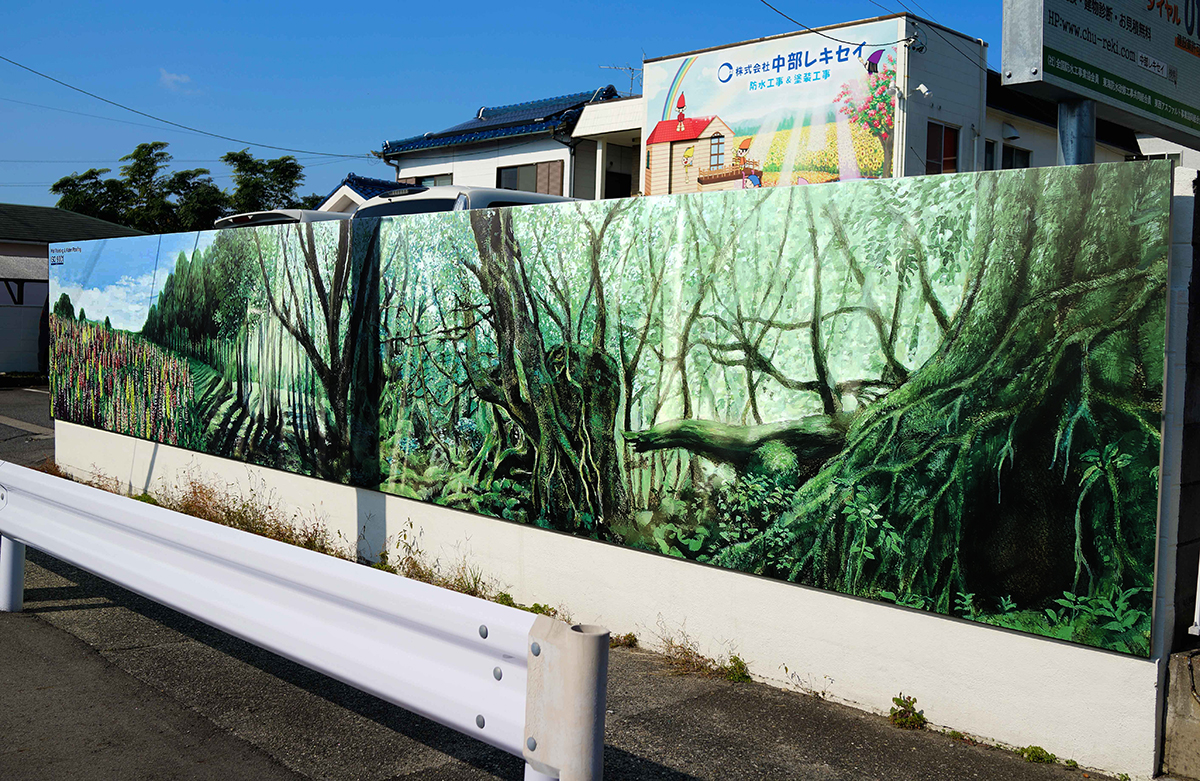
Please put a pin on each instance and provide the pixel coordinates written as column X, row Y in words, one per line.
column 12, row 575
column 533, row 774
column 565, row 699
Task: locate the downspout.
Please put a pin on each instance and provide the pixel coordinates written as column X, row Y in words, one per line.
column 564, row 137
column 391, row 164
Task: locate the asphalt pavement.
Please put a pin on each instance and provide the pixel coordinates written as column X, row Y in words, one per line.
column 26, row 430
column 99, row 683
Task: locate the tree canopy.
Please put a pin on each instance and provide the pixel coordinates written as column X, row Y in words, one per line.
column 150, row 197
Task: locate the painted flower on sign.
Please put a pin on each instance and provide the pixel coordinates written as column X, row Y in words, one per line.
column 869, row 104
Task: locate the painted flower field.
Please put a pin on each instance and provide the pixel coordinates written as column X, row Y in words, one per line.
column 120, row 382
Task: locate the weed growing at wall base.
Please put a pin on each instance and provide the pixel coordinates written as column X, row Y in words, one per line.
column 1037, row 754
column 904, row 713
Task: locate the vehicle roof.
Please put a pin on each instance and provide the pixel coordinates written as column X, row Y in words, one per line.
column 452, row 191
column 277, row 216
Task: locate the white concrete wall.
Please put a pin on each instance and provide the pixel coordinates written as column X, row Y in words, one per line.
column 475, row 165
column 19, row 327
column 1150, row 145
column 953, row 68
column 1040, row 140
column 1094, row 706
column 1170, row 465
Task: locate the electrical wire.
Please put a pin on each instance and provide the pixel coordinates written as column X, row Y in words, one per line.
column 98, row 116
column 114, row 162
column 830, row 37
column 175, row 124
column 934, row 26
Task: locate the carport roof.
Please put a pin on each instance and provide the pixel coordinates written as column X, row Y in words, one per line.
column 21, row 222
column 24, row 269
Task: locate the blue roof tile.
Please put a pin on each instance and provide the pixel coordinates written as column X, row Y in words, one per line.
column 518, row 119
column 365, row 186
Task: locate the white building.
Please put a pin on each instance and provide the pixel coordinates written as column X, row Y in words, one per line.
column 354, row 191
column 26, row 233
column 524, row 146
column 951, row 112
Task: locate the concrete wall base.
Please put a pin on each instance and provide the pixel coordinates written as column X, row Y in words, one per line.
column 1096, row 707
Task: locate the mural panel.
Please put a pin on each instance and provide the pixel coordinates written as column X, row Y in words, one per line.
column 794, row 109
column 942, row 392
column 240, row 343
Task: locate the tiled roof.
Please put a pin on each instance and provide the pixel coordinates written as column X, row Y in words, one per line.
column 668, row 130
column 27, row 269
column 19, row 222
column 365, row 186
column 535, row 116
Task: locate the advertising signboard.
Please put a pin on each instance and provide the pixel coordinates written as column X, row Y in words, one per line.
column 792, row 109
column 1138, row 59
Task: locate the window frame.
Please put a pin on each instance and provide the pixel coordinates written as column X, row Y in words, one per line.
column 716, row 150
column 940, row 162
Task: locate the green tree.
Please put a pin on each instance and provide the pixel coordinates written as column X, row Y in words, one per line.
column 107, row 323
column 82, row 315
column 150, row 197
column 64, row 308
column 260, row 185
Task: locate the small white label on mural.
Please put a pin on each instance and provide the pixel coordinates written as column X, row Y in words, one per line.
column 59, row 254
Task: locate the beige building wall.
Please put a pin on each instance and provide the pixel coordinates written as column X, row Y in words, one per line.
column 658, row 175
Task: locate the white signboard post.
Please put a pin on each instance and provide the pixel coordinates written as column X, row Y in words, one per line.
column 1138, row 59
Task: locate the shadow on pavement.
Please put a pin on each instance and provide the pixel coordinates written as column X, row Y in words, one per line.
column 618, row 763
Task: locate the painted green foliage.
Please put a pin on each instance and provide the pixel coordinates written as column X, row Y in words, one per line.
column 943, row 392
column 252, row 342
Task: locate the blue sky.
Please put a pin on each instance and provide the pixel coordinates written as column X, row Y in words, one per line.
column 339, row 80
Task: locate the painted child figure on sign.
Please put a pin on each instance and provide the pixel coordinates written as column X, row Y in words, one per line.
column 741, row 152
column 688, row 155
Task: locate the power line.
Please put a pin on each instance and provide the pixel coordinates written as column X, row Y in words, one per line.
column 113, row 162
column 97, row 116
column 823, row 35
column 174, row 124
column 934, row 26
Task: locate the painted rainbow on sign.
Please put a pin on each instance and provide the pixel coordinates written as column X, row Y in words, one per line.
column 676, row 85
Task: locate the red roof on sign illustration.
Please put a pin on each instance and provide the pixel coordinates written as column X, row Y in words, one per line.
column 668, row 129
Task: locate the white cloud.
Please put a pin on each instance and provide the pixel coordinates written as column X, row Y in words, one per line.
column 125, row 301
column 172, row 81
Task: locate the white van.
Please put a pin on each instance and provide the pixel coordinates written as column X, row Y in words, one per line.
column 421, row 200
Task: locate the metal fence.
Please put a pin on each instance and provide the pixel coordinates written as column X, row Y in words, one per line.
column 529, row 685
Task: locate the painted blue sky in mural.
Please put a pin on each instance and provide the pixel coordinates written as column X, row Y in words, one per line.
column 111, row 276
column 749, row 82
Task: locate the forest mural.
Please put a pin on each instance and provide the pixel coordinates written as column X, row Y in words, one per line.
column 943, row 392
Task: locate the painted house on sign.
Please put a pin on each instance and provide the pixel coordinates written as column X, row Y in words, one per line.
column 682, row 154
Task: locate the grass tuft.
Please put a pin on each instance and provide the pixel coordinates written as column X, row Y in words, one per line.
column 683, row 657
column 1037, row 754
column 628, row 640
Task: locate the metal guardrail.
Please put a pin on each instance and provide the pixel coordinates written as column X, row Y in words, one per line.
column 529, row 685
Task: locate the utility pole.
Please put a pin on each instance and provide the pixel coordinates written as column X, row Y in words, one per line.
column 1076, row 131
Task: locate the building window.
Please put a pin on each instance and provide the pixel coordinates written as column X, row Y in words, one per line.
column 436, row 180
column 1014, row 157
column 533, row 178
column 989, row 155
column 941, row 149
column 716, row 151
